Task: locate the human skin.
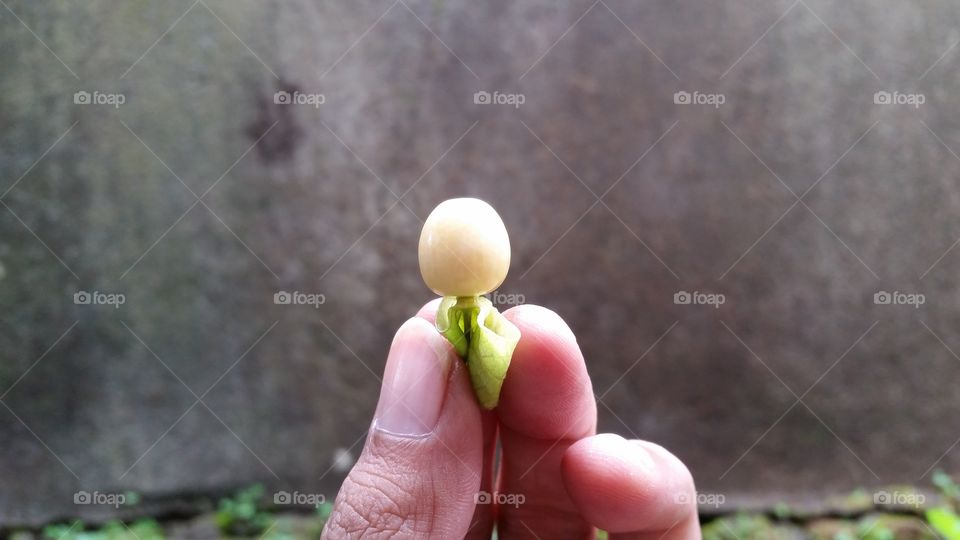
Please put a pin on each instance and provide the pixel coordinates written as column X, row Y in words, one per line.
column 430, row 451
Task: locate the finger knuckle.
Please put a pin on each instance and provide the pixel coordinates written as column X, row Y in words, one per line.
column 376, row 505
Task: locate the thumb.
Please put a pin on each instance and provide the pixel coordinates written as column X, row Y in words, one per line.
column 420, row 467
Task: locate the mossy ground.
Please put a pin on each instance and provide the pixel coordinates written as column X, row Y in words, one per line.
column 875, row 526
column 857, row 516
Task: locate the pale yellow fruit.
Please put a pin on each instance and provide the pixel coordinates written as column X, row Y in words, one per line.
column 464, row 248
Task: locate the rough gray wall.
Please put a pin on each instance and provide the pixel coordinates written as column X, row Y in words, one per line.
column 694, row 198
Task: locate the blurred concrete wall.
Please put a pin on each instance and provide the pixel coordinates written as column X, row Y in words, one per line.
column 732, row 148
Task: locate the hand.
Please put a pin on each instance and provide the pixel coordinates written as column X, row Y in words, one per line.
column 428, row 464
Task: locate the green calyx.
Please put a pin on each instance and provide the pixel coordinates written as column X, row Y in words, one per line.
column 484, row 338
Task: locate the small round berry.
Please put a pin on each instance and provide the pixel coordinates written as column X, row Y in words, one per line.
column 464, row 248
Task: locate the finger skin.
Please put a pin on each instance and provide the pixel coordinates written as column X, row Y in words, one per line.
column 420, row 486
column 546, row 404
column 689, row 529
column 633, row 488
column 481, row 526
column 429, row 310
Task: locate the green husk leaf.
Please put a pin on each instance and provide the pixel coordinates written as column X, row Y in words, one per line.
column 484, row 338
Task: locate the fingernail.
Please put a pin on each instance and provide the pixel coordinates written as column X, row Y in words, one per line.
column 414, row 381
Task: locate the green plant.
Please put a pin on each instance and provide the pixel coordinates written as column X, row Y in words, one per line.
column 945, row 521
column 241, row 515
column 871, row 529
column 782, row 511
column 324, row 510
column 947, row 486
column 738, row 527
column 144, row 529
column 273, row 534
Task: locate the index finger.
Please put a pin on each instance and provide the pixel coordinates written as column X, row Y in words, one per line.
column 546, row 405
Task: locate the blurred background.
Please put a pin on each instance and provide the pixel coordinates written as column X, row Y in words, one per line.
column 746, row 210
